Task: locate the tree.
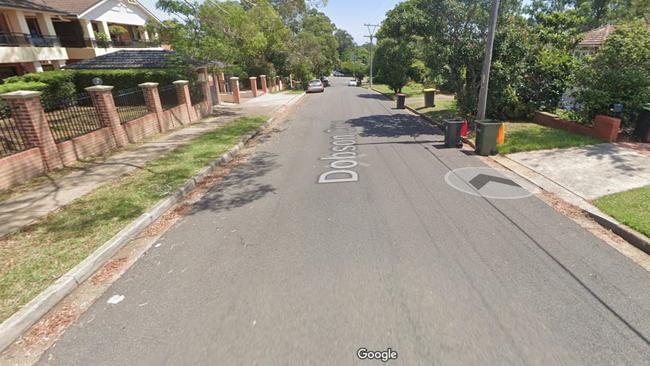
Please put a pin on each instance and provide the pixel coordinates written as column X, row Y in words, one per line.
column 346, row 44
column 618, row 73
column 393, row 59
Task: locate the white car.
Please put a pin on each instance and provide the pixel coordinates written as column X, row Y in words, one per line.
column 352, row 82
column 315, row 86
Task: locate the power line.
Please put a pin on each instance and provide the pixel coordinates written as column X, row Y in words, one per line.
column 371, row 35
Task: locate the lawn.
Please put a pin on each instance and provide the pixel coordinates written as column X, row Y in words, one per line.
column 35, row 257
column 411, row 90
column 632, row 208
column 444, row 109
column 523, row 136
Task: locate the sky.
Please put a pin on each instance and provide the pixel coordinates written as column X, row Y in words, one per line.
column 346, row 14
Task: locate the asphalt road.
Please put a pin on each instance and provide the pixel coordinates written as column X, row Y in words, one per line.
column 273, row 268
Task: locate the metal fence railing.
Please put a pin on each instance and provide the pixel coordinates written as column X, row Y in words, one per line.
column 197, row 93
column 130, row 104
column 11, row 138
column 71, row 117
column 168, row 96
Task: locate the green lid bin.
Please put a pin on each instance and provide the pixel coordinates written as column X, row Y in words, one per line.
column 486, row 136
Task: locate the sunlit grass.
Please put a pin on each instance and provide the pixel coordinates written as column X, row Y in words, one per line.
column 32, row 259
column 631, row 208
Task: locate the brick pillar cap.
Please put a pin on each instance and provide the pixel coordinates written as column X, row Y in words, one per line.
column 234, row 78
column 252, row 77
column 99, row 88
column 148, row 85
column 21, row 94
column 262, row 76
column 181, row 82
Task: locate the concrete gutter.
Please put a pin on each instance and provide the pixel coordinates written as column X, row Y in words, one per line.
column 12, row 328
column 628, row 234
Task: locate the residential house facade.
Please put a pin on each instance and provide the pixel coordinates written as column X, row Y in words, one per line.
column 39, row 35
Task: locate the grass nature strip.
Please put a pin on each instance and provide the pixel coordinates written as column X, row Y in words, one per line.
column 632, row 208
column 523, row 136
column 32, row 259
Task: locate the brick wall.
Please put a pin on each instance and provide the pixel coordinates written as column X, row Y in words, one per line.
column 94, row 143
column 49, row 155
column 142, row 127
column 605, row 128
column 19, row 167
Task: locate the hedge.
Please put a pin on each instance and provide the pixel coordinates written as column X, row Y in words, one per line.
column 58, row 83
column 22, row 85
column 124, row 79
column 69, row 83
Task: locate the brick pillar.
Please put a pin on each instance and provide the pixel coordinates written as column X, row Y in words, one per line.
column 152, row 99
column 253, row 81
column 32, row 123
column 183, row 95
column 234, row 86
column 263, row 79
column 222, row 82
column 217, row 87
column 105, row 105
column 205, row 84
column 280, row 88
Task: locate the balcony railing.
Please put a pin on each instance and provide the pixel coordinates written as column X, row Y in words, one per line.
column 78, row 42
column 118, row 43
column 22, row 39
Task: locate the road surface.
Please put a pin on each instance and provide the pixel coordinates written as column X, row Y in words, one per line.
column 274, row 268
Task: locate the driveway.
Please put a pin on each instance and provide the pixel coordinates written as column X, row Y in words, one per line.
column 592, row 171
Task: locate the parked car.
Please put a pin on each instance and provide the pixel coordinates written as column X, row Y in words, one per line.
column 353, row 82
column 325, row 80
column 315, row 86
column 337, row 73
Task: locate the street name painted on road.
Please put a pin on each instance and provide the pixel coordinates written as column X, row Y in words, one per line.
column 343, row 158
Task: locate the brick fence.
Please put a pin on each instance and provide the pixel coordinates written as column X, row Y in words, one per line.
column 605, row 127
column 45, row 154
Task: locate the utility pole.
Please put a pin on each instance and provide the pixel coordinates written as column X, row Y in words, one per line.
column 371, row 35
column 487, row 61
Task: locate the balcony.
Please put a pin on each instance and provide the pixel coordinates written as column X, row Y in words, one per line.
column 8, row 39
column 118, row 43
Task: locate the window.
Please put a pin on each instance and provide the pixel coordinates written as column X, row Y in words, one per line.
column 34, row 29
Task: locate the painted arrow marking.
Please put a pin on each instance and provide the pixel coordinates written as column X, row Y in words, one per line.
column 482, row 179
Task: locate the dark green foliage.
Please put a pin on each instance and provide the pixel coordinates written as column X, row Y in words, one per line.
column 124, row 79
column 618, row 73
column 62, row 83
column 393, row 60
column 59, row 83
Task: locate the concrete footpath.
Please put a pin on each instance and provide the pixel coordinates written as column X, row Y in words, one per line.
column 23, row 209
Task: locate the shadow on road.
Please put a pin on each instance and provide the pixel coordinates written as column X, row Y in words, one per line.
column 373, row 96
column 240, row 186
column 396, row 125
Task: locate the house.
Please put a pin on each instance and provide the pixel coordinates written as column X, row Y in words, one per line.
column 28, row 40
column 593, row 40
column 38, row 35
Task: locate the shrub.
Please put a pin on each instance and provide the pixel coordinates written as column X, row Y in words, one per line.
column 129, row 78
column 59, row 83
column 618, row 73
column 22, row 85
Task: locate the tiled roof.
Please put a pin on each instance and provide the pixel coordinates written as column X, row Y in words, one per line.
column 597, row 37
column 129, row 59
column 72, row 6
column 38, row 5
